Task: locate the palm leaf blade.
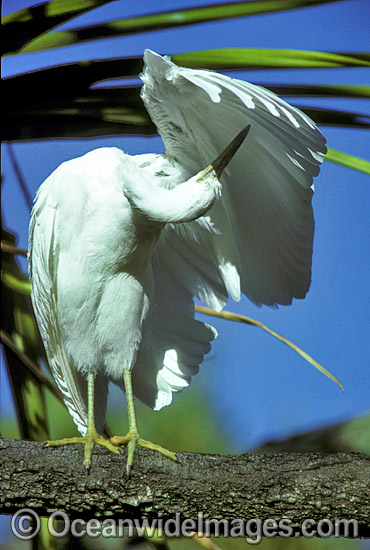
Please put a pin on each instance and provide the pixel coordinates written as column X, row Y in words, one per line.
column 163, row 20
column 27, row 24
column 257, row 58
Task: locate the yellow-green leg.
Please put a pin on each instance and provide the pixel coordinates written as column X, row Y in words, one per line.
column 132, row 438
column 91, row 437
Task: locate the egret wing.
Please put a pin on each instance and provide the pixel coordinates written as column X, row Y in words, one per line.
column 43, row 266
column 259, row 234
column 170, row 354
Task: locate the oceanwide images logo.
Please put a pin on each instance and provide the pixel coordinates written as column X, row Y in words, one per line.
column 26, row 524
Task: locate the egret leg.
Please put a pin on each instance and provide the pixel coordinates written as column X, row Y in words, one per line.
column 132, row 438
column 91, row 437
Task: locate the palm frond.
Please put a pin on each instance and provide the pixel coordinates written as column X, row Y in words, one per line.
column 33, row 23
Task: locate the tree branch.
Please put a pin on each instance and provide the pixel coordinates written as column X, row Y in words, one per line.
column 293, row 485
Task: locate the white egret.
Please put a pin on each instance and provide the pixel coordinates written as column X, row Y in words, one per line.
column 120, row 244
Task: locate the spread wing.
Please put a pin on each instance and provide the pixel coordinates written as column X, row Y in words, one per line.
column 43, row 266
column 258, row 237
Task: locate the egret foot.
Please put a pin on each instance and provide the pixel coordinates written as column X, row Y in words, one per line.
column 133, row 439
column 91, row 439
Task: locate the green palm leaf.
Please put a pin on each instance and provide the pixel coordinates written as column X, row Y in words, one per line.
column 58, row 11
column 85, row 111
column 23, row 26
column 257, row 58
column 320, row 90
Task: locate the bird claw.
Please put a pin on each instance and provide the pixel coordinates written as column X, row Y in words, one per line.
column 132, row 440
column 89, row 440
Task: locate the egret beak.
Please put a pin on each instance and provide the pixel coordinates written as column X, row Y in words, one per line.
column 227, row 154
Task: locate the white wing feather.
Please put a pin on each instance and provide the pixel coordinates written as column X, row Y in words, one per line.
column 43, row 267
column 170, row 354
column 263, row 224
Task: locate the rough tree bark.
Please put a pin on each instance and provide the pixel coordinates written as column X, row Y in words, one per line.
column 284, row 485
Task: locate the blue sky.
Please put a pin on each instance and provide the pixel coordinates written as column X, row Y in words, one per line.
column 259, row 388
